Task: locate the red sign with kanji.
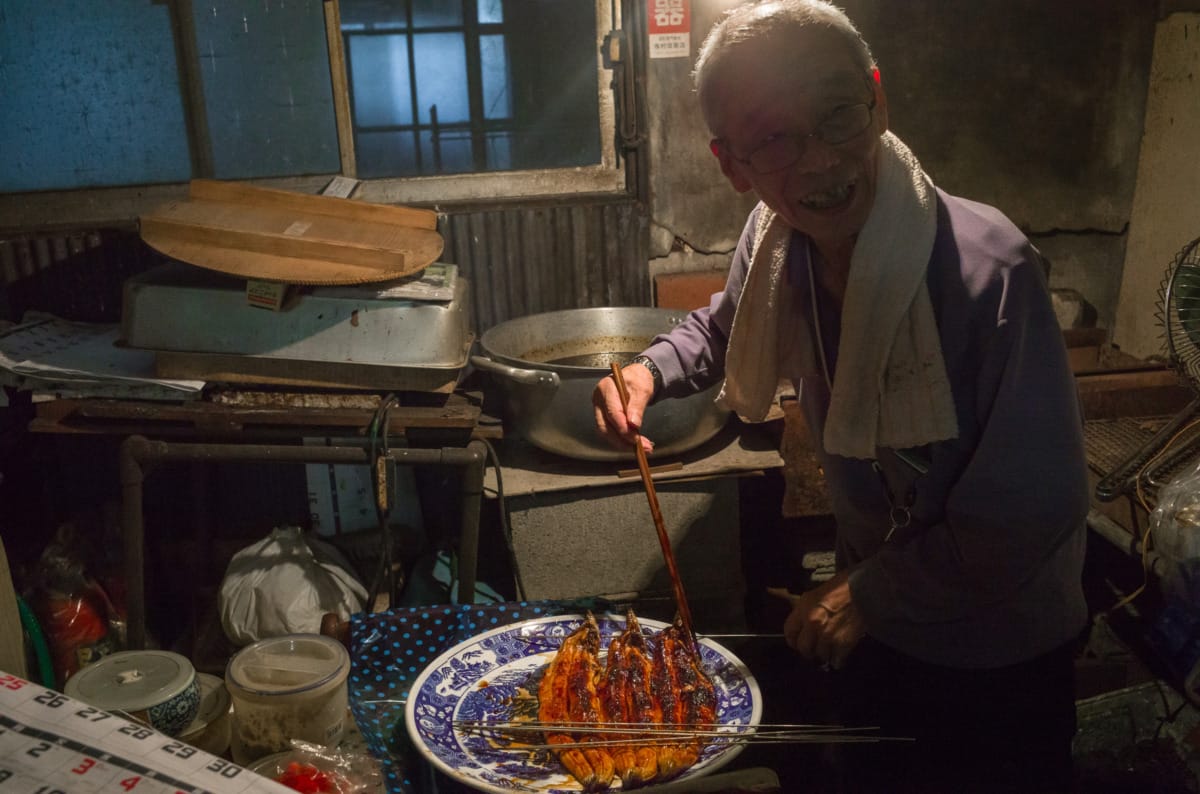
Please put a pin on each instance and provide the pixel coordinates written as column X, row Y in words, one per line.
column 669, row 25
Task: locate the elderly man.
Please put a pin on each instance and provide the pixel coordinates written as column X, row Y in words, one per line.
column 917, row 330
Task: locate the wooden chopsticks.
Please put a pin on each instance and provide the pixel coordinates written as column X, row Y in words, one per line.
column 681, row 603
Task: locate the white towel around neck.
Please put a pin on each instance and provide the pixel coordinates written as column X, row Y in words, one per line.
column 890, row 387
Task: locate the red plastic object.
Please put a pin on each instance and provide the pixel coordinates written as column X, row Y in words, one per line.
column 307, row 778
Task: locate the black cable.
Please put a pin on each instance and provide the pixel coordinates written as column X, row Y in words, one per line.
column 1169, row 714
column 505, row 530
column 384, row 572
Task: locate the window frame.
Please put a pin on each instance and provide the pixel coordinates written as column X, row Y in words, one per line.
column 121, row 206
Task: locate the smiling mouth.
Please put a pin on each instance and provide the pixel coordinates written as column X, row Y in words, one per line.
column 828, row 199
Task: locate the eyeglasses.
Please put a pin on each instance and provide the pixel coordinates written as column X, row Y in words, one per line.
column 841, row 125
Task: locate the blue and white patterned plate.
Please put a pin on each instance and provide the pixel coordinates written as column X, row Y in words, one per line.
column 494, row 675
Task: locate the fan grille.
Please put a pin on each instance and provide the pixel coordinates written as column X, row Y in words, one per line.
column 1179, row 313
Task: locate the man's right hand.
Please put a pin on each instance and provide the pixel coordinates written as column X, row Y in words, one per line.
column 618, row 427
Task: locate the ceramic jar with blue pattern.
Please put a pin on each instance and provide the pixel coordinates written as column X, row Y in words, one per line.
column 158, row 688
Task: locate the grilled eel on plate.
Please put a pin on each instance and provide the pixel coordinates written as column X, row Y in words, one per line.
column 685, row 694
column 569, row 693
column 627, row 697
column 656, row 682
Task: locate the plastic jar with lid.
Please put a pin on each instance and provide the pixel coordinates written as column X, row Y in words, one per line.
column 283, row 688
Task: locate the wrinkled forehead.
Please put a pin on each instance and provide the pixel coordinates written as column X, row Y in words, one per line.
column 783, row 67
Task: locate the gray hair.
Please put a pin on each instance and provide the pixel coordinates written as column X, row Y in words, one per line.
column 752, row 20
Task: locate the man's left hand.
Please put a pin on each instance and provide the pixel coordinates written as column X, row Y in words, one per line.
column 824, row 624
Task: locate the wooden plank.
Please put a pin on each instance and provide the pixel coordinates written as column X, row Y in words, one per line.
column 1139, row 393
column 272, row 236
column 233, row 368
column 1089, row 359
column 277, row 232
column 12, row 644
column 147, row 416
column 331, row 206
column 191, row 80
column 341, row 88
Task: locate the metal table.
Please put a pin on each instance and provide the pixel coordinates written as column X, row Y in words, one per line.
column 238, row 433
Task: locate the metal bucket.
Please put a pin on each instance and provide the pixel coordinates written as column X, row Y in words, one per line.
column 548, row 364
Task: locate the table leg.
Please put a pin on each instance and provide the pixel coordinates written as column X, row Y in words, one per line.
column 137, row 450
column 468, row 539
column 132, row 542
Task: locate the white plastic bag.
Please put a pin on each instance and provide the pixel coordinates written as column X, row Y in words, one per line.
column 284, row 584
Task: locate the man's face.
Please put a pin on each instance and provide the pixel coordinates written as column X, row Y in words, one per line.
column 787, row 85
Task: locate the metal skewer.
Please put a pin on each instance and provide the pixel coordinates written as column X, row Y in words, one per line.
column 642, row 733
column 728, row 739
column 649, row 729
column 542, row 638
column 681, row 603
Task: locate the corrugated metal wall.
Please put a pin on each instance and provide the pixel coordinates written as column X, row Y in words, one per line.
column 77, row 275
column 519, row 261
column 544, row 258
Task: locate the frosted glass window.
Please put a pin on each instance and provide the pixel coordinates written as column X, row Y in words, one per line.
column 437, row 13
column 515, row 84
column 357, row 15
column 499, row 149
column 264, row 71
column 493, row 63
column 449, row 153
column 491, row 11
column 382, row 154
column 382, row 63
column 442, row 77
column 89, row 96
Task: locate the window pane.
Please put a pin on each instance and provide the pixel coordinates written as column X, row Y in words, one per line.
column 499, row 151
column 381, row 154
column 264, row 69
column 380, row 64
column 490, row 11
column 448, row 153
column 437, row 13
column 530, row 100
column 556, row 117
column 497, row 95
column 90, row 96
column 373, row 15
column 442, row 77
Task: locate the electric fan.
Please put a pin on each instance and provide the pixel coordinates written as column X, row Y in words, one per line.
column 1178, row 312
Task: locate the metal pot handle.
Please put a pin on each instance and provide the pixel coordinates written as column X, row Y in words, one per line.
column 528, row 377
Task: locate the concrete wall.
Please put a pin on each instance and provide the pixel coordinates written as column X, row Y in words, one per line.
column 1032, row 106
column 1166, row 205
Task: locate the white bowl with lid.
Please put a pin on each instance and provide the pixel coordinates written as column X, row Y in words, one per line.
column 284, row 688
column 158, row 688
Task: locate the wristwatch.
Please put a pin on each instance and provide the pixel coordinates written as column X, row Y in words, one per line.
column 649, row 364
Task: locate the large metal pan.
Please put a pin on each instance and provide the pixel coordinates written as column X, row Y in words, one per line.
column 548, row 364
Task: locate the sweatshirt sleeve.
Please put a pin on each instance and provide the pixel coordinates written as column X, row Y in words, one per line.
column 1018, row 492
column 691, row 357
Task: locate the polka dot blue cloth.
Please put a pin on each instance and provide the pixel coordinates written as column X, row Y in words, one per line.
column 388, row 650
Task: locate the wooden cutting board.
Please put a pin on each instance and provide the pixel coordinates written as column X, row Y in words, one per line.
column 296, row 238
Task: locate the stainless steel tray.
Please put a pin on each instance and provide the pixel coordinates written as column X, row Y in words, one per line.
column 182, row 308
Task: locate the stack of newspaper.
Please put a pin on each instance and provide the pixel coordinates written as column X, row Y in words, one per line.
column 53, row 357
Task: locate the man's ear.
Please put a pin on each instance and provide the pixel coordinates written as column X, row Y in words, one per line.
column 730, row 169
column 881, row 106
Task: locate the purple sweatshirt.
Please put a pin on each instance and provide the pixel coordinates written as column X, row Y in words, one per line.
column 988, row 572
